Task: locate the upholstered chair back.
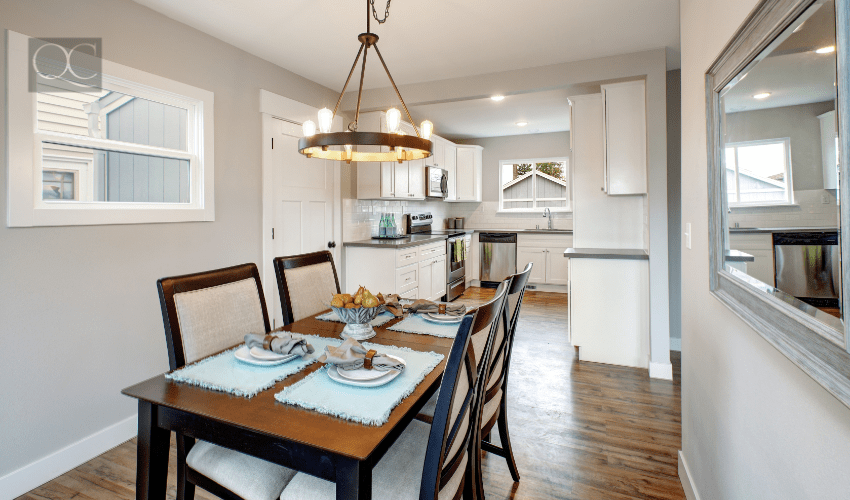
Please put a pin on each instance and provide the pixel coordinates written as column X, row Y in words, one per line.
column 305, row 284
column 207, row 312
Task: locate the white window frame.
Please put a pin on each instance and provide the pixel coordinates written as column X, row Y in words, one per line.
column 534, row 198
column 25, row 206
column 789, row 193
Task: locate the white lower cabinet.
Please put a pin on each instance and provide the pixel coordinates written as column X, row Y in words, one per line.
column 546, row 252
column 760, row 246
column 414, row 272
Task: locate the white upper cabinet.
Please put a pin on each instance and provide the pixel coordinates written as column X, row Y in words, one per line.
column 389, row 180
column 625, row 138
column 468, row 173
column 450, row 159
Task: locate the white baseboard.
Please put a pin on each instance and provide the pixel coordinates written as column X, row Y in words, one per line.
column 661, row 370
column 33, row 475
column 675, row 344
column 685, row 478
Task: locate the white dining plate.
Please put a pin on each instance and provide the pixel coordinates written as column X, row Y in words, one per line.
column 388, row 377
column 362, row 374
column 264, row 355
column 442, row 318
column 244, row 355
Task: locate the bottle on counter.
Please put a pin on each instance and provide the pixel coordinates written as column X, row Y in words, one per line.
column 382, row 227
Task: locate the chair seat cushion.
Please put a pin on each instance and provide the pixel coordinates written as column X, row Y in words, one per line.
column 249, row 477
column 397, row 476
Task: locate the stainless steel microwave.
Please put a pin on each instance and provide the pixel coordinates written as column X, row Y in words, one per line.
column 436, row 183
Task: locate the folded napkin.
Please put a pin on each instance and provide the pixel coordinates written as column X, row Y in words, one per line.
column 350, row 355
column 282, row 343
column 391, row 302
column 426, row 306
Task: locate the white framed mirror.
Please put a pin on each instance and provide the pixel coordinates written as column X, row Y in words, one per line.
column 777, row 122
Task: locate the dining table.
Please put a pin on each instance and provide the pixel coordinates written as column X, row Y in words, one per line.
column 322, row 445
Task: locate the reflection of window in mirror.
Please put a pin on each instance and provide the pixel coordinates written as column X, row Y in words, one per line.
column 779, row 139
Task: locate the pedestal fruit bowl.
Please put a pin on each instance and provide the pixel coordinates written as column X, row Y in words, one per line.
column 357, row 311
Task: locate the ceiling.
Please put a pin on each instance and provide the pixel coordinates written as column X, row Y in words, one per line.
column 428, row 40
column 546, row 111
column 793, row 73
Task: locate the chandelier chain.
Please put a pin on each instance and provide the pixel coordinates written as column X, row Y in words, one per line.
column 386, row 12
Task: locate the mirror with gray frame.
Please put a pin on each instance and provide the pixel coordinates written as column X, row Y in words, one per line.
column 777, row 116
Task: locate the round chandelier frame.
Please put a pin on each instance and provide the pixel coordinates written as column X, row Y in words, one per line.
column 370, row 146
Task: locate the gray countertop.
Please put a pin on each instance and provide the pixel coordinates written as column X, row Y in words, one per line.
column 524, row 231
column 406, row 242
column 738, row 256
column 781, row 229
column 606, row 253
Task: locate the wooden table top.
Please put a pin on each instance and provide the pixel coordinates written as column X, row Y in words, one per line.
column 264, row 414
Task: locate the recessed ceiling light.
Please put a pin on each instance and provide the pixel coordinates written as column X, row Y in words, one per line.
column 521, row 124
column 497, row 97
column 826, row 50
column 763, row 95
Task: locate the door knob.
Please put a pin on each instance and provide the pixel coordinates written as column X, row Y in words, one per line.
column 331, row 244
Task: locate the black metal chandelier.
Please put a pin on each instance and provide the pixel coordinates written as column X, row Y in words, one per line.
column 401, row 147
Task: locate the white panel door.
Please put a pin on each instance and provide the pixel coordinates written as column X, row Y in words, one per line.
column 303, row 203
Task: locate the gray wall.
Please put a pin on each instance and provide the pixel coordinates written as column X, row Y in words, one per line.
column 754, row 425
column 674, row 198
column 800, row 123
column 85, row 297
column 515, row 147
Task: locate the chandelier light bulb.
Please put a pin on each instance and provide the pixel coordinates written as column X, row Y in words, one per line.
column 326, row 117
column 309, row 128
column 427, row 127
column 393, row 120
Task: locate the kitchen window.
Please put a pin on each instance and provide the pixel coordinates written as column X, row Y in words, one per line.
column 137, row 148
column 534, row 185
column 758, row 172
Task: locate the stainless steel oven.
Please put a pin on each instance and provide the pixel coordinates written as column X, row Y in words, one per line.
column 436, row 183
column 455, row 267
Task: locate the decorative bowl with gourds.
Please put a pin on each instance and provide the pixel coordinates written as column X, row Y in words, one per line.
column 357, row 311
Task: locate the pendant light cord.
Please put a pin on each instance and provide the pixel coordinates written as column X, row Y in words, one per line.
column 386, row 12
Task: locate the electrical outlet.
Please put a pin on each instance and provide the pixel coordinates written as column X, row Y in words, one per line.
column 824, row 198
column 688, row 235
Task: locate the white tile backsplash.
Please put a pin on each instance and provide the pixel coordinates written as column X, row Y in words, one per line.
column 808, row 211
column 359, row 216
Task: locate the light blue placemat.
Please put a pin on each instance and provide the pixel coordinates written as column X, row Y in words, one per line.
column 365, row 405
column 378, row 321
column 414, row 323
column 223, row 372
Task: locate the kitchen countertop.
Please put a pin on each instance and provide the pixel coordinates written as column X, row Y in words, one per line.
column 782, row 229
column 606, row 253
column 738, row 256
column 524, row 231
column 406, row 242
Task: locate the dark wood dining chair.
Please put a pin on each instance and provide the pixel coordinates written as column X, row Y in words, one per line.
column 204, row 313
column 305, row 284
column 494, row 411
column 430, row 461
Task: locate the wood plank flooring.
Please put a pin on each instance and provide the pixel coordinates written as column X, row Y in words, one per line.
column 581, row 431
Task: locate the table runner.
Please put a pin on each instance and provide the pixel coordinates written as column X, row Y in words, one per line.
column 223, row 372
column 414, row 323
column 365, row 405
column 379, row 320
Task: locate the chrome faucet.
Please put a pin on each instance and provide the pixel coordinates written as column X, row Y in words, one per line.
column 548, row 213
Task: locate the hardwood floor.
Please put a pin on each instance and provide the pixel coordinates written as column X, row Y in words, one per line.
column 580, row 431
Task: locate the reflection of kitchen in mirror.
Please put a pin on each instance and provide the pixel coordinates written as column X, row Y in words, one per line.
column 780, row 155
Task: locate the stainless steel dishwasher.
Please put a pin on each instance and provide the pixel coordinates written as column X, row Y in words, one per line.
column 498, row 257
column 808, row 266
